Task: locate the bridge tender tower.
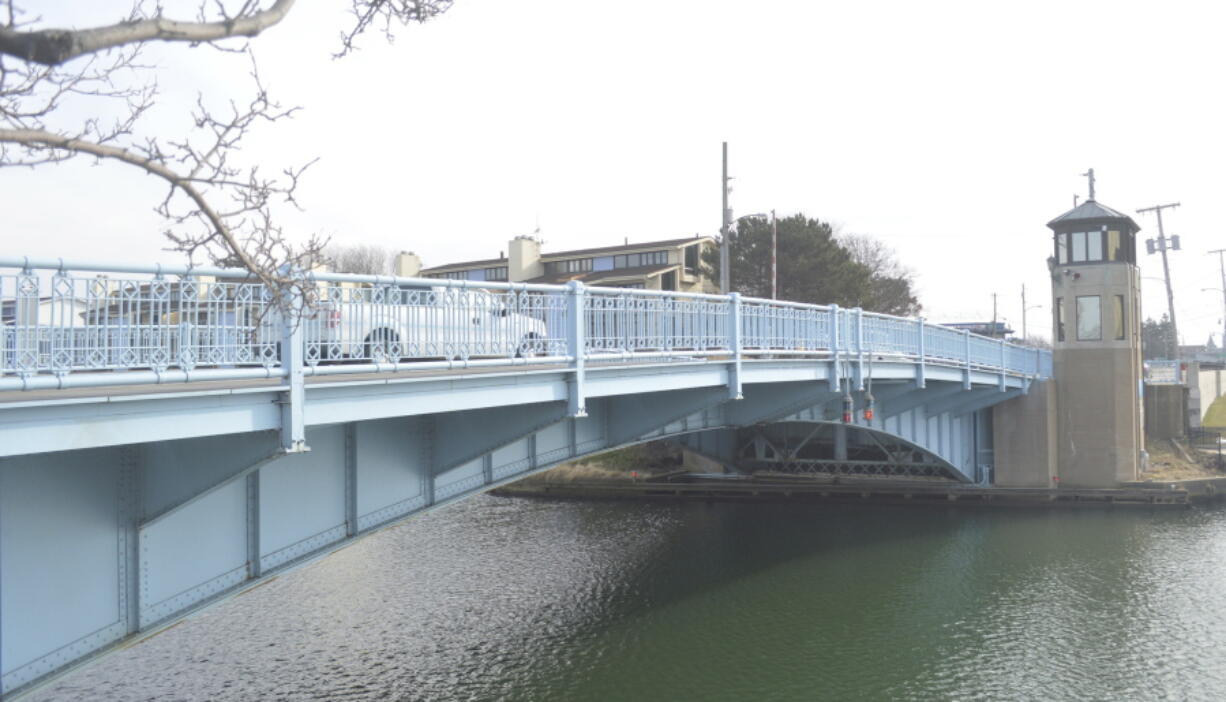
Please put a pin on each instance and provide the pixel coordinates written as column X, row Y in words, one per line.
column 1096, row 337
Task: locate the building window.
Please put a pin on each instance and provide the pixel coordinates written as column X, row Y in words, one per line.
column 1089, row 318
column 1119, row 317
column 691, row 258
column 496, row 273
column 1114, row 250
column 648, row 258
column 1094, row 246
column 1059, row 319
column 668, row 281
column 572, row 265
column 1083, row 247
column 1079, row 246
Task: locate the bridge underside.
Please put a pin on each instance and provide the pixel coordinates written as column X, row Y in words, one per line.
column 835, row 449
column 99, row 544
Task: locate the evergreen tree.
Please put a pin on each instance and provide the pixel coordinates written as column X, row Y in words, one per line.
column 815, row 266
column 1156, row 338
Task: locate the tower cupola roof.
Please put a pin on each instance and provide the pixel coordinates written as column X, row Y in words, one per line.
column 1092, row 212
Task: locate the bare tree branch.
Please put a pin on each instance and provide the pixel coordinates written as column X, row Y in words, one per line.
column 214, row 205
column 370, row 12
column 52, row 47
column 39, row 139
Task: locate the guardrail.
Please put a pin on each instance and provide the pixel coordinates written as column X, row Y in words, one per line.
column 61, row 327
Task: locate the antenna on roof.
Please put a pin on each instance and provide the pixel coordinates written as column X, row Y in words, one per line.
column 1076, row 197
column 1090, row 174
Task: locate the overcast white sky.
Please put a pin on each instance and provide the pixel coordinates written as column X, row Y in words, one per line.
column 953, row 131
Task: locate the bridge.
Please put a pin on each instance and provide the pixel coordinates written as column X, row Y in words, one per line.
column 171, row 435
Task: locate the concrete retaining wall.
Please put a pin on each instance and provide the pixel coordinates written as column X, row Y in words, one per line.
column 1164, row 411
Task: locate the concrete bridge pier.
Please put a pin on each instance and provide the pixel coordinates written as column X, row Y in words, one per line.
column 1024, row 434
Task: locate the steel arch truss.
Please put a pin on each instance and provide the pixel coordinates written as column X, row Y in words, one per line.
column 827, row 448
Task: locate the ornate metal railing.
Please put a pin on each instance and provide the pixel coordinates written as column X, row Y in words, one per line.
column 76, row 323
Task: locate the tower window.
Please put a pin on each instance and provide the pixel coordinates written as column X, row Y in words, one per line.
column 1114, row 252
column 1079, row 246
column 1062, row 248
column 1119, row 317
column 1059, row 319
column 1094, row 246
column 1089, row 318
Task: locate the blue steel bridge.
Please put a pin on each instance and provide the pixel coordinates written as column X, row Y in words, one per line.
column 170, row 435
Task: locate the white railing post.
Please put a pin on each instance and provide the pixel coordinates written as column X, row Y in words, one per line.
column 859, row 349
column 25, row 324
column 60, row 324
column 920, row 379
column 966, row 371
column 833, row 376
column 576, row 346
column 293, row 349
column 734, row 345
column 1003, row 351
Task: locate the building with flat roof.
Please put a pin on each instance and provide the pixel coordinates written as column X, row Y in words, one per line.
column 671, row 264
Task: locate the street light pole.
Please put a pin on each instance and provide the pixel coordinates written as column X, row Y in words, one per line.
column 1221, row 262
column 1026, row 308
column 725, row 277
column 1023, row 311
column 774, row 257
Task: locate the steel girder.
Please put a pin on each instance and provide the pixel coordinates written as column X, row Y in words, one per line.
column 816, row 466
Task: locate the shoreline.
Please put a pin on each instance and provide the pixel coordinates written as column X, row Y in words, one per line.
column 683, row 485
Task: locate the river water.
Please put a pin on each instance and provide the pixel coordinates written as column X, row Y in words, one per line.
column 520, row 599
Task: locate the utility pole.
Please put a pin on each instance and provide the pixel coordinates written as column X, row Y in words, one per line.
column 1023, row 312
column 774, row 257
column 1221, row 262
column 1166, row 270
column 725, row 263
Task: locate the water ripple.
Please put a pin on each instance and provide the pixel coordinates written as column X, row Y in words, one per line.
column 509, row 599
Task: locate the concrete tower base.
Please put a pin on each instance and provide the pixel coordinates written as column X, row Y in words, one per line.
column 1099, row 439
column 1024, row 436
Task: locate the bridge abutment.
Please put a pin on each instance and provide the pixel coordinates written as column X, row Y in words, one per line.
column 1024, row 438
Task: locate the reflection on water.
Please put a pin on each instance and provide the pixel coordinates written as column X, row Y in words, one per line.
column 513, row 599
